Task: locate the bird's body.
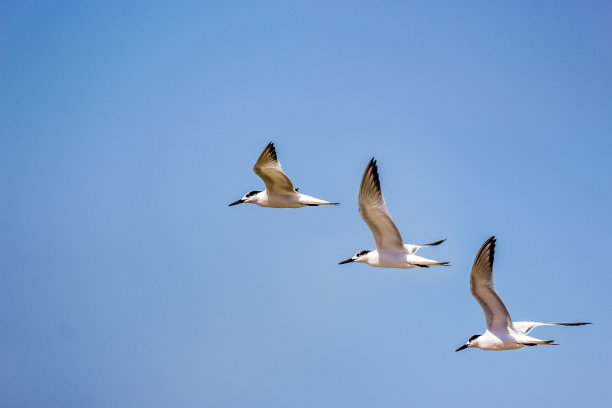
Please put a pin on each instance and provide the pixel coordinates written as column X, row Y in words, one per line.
column 396, row 260
column 502, row 333
column 506, row 341
column 390, row 252
column 279, row 192
column 297, row 200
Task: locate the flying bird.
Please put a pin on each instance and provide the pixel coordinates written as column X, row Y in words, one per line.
column 502, row 333
column 279, row 192
column 390, row 252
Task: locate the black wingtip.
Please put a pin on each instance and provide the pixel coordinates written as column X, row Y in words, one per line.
column 436, row 243
column 491, row 242
column 272, row 150
column 574, row 324
column 489, row 245
column 373, row 168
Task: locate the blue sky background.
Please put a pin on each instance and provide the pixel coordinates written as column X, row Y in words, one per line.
column 126, row 129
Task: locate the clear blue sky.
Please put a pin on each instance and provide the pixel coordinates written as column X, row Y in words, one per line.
column 126, row 281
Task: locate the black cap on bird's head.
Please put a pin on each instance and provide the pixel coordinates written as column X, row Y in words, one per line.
column 246, row 198
column 356, row 257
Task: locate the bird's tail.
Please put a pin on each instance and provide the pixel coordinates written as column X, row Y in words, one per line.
column 436, row 263
column 321, row 203
column 536, row 342
column 307, row 200
column 424, row 262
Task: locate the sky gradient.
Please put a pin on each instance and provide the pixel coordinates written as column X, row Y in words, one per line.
column 125, row 130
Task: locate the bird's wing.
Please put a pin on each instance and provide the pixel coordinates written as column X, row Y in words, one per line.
column 411, row 249
column 270, row 171
column 374, row 212
column 526, row 327
column 481, row 286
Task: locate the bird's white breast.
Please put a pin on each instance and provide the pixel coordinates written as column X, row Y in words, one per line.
column 390, row 260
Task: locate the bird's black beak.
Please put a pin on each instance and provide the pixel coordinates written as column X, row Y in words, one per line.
column 236, row 202
column 461, row 348
column 347, row 261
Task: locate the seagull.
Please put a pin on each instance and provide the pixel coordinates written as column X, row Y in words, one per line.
column 390, row 252
column 279, row 192
column 502, row 333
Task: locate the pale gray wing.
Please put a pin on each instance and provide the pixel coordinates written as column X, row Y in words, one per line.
column 412, row 249
column 270, row 171
column 374, row 212
column 526, row 327
column 481, row 286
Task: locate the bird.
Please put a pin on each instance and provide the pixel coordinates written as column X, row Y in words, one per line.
column 501, row 333
column 279, row 192
column 390, row 252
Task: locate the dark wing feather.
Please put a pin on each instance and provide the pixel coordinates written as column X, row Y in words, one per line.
column 374, row 212
column 481, row 286
column 270, row 171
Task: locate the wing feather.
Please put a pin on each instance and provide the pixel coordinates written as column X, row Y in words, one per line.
column 481, row 286
column 526, row 327
column 374, row 212
column 270, row 171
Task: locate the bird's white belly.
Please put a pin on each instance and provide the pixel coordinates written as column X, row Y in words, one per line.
column 282, row 201
column 390, row 260
column 490, row 341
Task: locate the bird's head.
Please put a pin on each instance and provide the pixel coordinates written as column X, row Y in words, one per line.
column 470, row 342
column 358, row 257
column 249, row 197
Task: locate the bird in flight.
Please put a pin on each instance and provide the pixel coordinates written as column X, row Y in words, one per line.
column 279, row 192
column 502, row 333
column 390, row 252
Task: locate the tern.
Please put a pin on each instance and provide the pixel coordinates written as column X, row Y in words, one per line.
column 390, row 252
column 279, row 192
column 502, row 333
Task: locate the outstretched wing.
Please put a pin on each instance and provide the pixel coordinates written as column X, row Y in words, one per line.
column 270, row 171
column 374, row 212
column 481, row 286
column 526, row 327
column 412, row 249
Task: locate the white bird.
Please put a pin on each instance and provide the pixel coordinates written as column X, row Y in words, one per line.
column 279, row 192
column 502, row 333
column 390, row 252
